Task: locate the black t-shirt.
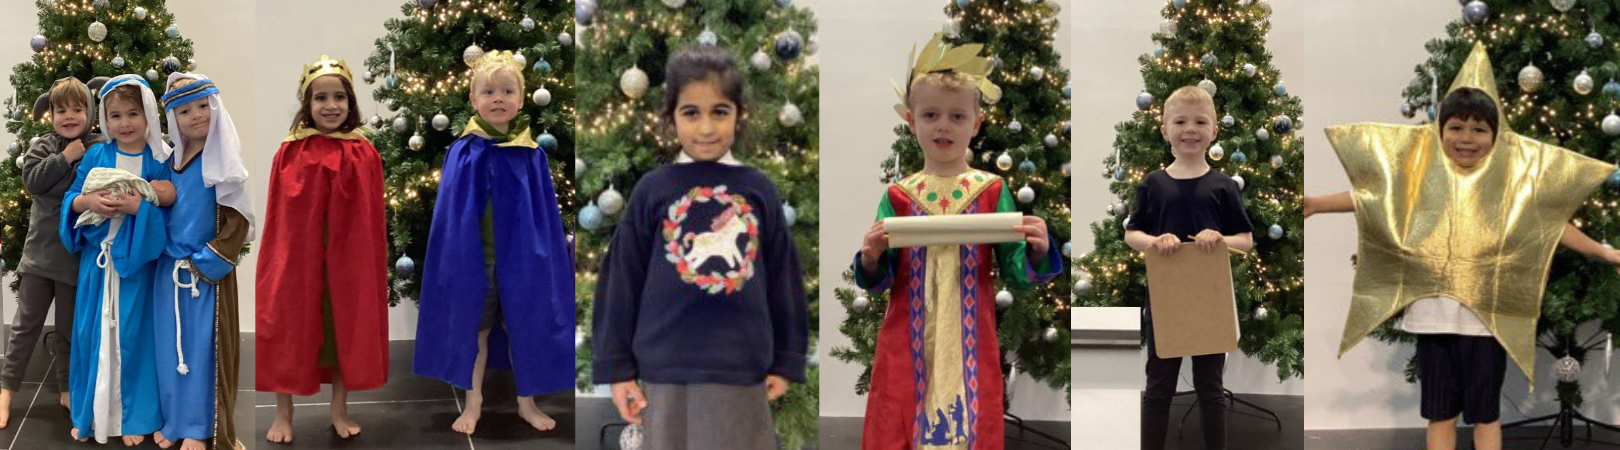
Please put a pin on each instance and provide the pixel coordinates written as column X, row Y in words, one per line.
column 1187, row 207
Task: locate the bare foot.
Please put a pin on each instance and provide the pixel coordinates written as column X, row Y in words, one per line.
column 281, row 431
column 162, row 442
column 67, row 402
column 131, row 441
column 468, row 422
column 5, row 407
column 346, row 428
column 532, row 414
column 193, row 444
column 75, row 433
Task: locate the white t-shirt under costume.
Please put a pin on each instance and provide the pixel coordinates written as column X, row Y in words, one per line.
column 1442, row 315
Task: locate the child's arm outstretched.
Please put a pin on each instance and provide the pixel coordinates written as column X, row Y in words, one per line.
column 1331, row 203
column 1577, row 240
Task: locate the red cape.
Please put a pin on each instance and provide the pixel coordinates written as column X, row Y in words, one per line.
column 323, row 186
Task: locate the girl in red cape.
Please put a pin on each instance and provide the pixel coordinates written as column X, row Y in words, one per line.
column 323, row 257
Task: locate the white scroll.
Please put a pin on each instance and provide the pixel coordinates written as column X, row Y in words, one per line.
column 959, row 229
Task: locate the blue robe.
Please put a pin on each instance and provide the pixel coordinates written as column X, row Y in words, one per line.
column 139, row 240
column 532, row 268
column 188, row 398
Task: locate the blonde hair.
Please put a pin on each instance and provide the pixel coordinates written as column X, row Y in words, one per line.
column 949, row 81
column 484, row 68
column 70, row 92
column 183, row 82
column 1189, row 94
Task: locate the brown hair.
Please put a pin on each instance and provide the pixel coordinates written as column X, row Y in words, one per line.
column 70, row 92
column 305, row 118
column 128, row 93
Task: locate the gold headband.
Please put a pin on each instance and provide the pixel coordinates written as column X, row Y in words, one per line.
column 326, row 66
column 938, row 56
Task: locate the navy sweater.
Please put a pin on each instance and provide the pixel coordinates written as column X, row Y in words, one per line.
column 702, row 283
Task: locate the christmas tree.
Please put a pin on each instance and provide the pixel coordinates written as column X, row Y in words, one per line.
column 1556, row 75
column 81, row 39
column 1025, row 140
column 625, row 44
column 1217, row 45
column 423, row 63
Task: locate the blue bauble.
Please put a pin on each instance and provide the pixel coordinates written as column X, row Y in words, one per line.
column 543, row 67
column 1282, row 124
column 1144, row 101
column 584, row 11
column 1066, row 91
column 962, row 3
column 1275, row 232
column 1475, row 11
column 590, row 217
column 1612, row 88
column 789, row 44
column 1066, row 131
column 404, row 266
column 1119, row 174
column 1281, row 89
column 789, row 214
column 391, row 82
column 172, row 32
column 1431, row 113
column 547, row 142
column 1179, row 3
column 1158, row 52
column 784, row 3
column 426, row 3
column 1614, row 180
column 1594, row 39
column 707, row 38
column 1228, row 120
column 1239, row 157
column 1027, row 166
column 38, row 42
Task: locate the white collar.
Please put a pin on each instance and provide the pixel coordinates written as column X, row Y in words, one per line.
column 727, row 159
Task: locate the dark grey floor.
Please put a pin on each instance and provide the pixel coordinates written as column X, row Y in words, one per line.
column 845, row 433
column 38, row 421
column 413, row 412
column 1247, row 428
column 1412, row 438
column 597, row 416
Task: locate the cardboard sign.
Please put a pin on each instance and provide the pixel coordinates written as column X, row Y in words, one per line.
column 1194, row 309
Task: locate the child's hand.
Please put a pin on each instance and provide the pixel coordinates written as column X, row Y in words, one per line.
column 775, row 387
column 74, row 150
column 1311, row 205
column 628, row 398
column 875, row 244
column 1207, row 239
column 1612, row 257
column 1034, row 230
column 1167, row 244
column 127, row 203
column 101, row 205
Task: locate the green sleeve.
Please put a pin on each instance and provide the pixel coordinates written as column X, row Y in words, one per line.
column 1011, row 256
column 885, row 210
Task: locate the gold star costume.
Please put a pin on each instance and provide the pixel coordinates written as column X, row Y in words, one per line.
column 1483, row 235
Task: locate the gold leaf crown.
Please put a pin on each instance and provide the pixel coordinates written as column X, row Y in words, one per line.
column 326, row 66
column 499, row 58
column 938, row 56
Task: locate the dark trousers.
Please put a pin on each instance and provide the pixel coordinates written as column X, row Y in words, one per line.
column 1161, row 386
column 33, row 304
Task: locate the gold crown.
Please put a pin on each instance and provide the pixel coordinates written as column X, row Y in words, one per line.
column 501, row 58
column 326, row 66
column 938, row 56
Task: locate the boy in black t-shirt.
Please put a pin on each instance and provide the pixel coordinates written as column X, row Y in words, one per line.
column 1186, row 200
